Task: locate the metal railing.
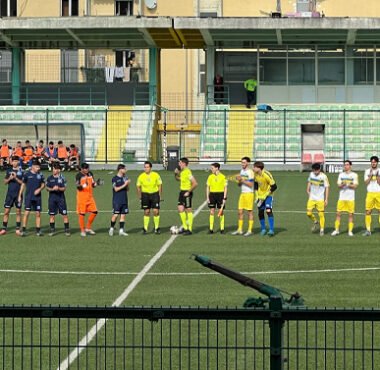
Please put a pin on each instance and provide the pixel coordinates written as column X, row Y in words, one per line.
column 220, row 133
column 219, row 94
column 189, row 338
column 64, row 94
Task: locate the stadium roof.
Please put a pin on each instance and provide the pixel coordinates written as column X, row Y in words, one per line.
column 184, row 32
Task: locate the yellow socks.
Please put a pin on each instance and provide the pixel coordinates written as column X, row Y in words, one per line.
column 250, row 225
column 146, row 222
column 156, row 220
column 211, row 219
column 350, row 226
column 183, row 219
column 222, row 222
column 368, row 220
column 240, row 225
column 190, row 220
column 337, row 225
column 311, row 216
column 322, row 219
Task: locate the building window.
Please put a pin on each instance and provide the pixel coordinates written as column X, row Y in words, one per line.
column 303, row 6
column 273, row 71
column 208, row 15
column 69, row 65
column 5, row 66
column 123, row 7
column 331, row 66
column 124, row 58
column 202, row 78
column 69, row 8
column 236, row 67
column 8, row 8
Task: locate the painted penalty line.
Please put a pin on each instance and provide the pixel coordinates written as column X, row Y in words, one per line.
column 64, row 365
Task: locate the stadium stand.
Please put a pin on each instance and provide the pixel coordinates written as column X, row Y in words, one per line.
column 140, row 132
column 213, row 132
column 240, row 133
column 118, row 122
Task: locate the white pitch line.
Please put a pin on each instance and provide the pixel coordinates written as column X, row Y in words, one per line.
column 64, row 365
column 316, row 271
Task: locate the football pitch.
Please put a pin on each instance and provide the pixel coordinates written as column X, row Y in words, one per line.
column 146, row 270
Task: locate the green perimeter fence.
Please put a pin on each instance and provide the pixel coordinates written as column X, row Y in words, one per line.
column 189, row 338
column 281, row 135
column 218, row 133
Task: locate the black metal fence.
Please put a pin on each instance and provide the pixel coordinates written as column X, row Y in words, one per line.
column 188, row 338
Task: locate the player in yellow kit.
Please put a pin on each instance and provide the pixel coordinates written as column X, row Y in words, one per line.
column 372, row 200
column 245, row 181
column 187, row 185
column 265, row 185
column 149, row 190
column 318, row 187
column 216, row 194
column 347, row 183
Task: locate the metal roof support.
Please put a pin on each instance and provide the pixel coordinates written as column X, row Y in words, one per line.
column 279, row 37
column 147, row 37
column 351, row 37
column 75, row 37
column 6, row 39
column 207, row 37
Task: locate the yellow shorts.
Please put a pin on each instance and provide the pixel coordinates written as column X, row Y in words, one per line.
column 346, row 206
column 372, row 201
column 246, row 201
column 318, row 204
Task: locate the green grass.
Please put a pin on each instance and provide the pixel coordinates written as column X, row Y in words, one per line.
column 293, row 248
column 78, row 271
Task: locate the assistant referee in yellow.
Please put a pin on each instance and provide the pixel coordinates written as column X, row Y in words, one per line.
column 216, row 194
column 149, row 190
column 187, row 185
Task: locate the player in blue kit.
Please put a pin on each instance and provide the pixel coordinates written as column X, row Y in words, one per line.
column 13, row 179
column 56, row 186
column 33, row 182
column 120, row 184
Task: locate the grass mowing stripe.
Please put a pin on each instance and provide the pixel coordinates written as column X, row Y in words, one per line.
column 119, row 300
column 348, row 269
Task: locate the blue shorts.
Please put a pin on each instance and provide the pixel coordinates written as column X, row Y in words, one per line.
column 57, row 205
column 120, row 209
column 11, row 200
column 267, row 204
column 33, row 205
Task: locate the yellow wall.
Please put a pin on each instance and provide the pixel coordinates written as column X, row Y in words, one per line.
column 231, row 8
column 102, row 7
column 38, row 8
column 171, row 8
column 350, row 8
column 331, row 8
column 42, row 66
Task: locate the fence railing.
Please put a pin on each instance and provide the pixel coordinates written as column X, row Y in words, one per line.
column 282, row 135
column 218, row 94
column 220, row 133
column 188, row 338
column 55, row 94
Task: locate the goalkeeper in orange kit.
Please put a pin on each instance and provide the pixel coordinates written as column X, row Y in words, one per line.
column 85, row 183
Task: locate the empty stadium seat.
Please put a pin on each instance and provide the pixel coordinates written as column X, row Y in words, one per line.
column 319, row 158
column 306, row 158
